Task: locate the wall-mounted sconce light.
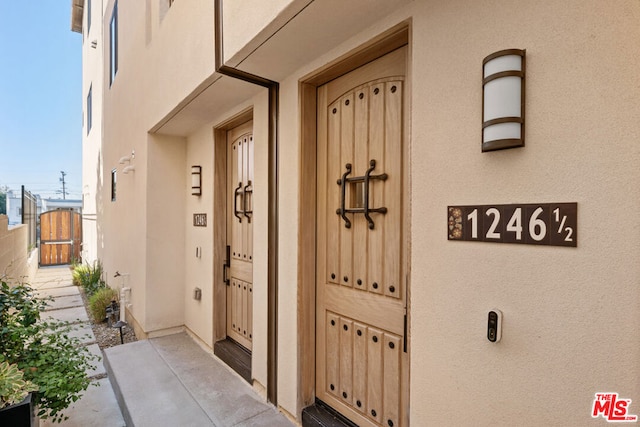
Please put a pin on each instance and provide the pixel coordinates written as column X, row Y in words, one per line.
column 196, row 180
column 128, row 158
column 127, row 169
column 503, row 96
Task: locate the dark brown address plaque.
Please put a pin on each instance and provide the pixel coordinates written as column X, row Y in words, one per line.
column 553, row 224
column 200, row 220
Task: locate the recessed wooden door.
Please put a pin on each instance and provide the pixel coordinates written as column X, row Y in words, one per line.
column 361, row 358
column 240, row 234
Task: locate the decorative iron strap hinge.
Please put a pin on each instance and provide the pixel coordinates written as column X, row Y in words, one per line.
column 366, row 210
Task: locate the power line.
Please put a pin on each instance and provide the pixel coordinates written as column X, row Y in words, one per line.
column 64, row 188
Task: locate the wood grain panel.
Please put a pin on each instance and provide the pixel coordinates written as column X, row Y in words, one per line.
column 249, row 198
column 346, row 156
column 361, row 160
column 334, row 169
column 375, row 374
column 360, row 362
column 391, row 362
column 346, row 360
column 376, row 152
column 333, row 354
column 236, row 200
column 392, row 220
column 368, row 308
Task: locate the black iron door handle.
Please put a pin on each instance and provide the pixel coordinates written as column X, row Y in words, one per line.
column 247, row 189
column 238, row 214
column 342, row 211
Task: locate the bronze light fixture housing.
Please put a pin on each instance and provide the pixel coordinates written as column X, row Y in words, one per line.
column 503, row 96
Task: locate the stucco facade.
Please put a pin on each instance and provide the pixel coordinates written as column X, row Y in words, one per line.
column 18, row 263
column 571, row 314
column 86, row 19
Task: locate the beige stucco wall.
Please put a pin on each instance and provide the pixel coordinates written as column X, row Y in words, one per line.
column 176, row 50
column 92, row 172
column 145, row 223
column 570, row 314
column 17, row 263
column 199, row 271
column 247, row 23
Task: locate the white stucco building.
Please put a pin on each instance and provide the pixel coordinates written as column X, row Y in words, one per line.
column 337, row 149
column 86, row 18
column 14, row 207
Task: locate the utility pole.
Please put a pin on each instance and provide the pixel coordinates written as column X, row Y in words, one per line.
column 64, row 187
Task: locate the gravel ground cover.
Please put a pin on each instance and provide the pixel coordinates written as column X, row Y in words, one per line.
column 107, row 336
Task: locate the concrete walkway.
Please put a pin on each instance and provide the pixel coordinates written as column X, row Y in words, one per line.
column 172, row 381
column 166, row 381
column 98, row 406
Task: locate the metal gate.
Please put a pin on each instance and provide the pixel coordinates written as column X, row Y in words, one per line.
column 60, row 237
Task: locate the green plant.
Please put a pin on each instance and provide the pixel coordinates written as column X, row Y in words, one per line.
column 99, row 301
column 89, row 277
column 13, row 387
column 75, row 262
column 49, row 357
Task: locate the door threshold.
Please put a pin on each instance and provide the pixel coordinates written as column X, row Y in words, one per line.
column 235, row 356
column 322, row 415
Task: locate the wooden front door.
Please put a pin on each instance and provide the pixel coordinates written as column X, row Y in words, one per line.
column 361, row 349
column 240, row 234
column 60, row 237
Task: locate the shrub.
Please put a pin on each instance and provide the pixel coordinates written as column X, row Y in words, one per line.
column 99, row 301
column 89, row 277
column 51, row 359
column 13, row 388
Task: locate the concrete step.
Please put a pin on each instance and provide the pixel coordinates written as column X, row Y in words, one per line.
column 172, row 381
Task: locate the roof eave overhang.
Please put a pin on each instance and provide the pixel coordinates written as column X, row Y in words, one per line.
column 77, row 8
column 287, row 45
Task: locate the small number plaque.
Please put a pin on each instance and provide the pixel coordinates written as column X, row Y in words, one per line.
column 553, row 224
column 200, row 220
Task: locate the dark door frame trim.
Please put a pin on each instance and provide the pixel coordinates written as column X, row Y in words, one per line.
column 272, row 214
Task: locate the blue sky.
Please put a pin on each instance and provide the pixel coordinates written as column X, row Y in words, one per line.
column 40, row 98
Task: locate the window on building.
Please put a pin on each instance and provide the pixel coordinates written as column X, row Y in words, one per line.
column 113, row 185
column 113, row 44
column 88, row 16
column 89, row 109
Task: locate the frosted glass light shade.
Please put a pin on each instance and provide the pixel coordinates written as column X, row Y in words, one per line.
column 196, row 180
column 503, row 96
